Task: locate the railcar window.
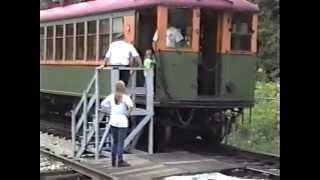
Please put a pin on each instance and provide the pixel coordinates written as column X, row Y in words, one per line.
column 91, row 43
column 69, row 42
column 104, row 33
column 117, row 26
column 179, row 28
column 80, row 41
column 59, row 42
column 241, row 33
column 49, row 43
column 41, row 43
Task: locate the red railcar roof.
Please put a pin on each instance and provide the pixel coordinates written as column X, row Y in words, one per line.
column 103, row 6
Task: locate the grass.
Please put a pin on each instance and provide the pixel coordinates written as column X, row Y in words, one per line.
column 262, row 134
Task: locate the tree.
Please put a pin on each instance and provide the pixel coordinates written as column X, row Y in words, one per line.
column 269, row 37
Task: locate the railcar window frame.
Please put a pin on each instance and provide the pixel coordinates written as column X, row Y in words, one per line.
column 91, row 36
column 68, row 40
column 49, row 40
column 85, row 61
column 59, row 37
column 80, row 41
column 162, row 25
column 42, row 42
column 251, row 32
column 106, row 35
column 186, row 38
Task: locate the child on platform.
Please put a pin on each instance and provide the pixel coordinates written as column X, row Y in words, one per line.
column 148, row 62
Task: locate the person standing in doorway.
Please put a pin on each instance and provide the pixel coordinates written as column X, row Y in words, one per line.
column 121, row 53
column 120, row 106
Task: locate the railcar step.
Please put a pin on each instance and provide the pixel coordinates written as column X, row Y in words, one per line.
column 139, row 112
column 101, row 122
column 135, row 112
column 137, row 91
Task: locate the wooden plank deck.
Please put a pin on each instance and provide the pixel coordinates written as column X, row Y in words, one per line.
column 155, row 166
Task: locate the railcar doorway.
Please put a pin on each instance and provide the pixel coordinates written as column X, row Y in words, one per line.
column 207, row 71
column 146, row 27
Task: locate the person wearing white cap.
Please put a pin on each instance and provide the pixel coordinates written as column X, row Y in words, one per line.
column 121, row 53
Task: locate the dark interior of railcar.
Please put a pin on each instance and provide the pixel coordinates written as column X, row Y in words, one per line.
column 207, row 68
column 146, row 27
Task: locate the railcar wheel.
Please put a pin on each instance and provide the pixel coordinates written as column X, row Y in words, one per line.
column 43, row 109
column 43, row 106
column 164, row 136
column 213, row 137
column 167, row 135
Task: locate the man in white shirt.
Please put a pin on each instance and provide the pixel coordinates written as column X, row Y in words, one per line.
column 121, row 53
column 173, row 36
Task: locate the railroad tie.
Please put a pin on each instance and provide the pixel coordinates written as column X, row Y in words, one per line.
column 138, row 170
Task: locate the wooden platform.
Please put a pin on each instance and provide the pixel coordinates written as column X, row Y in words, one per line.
column 156, row 166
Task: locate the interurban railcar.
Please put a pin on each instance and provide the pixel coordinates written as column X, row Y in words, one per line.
column 201, row 85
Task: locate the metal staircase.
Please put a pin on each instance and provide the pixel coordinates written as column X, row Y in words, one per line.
column 90, row 123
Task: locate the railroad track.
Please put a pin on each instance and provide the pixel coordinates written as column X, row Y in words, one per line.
column 96, row 173
column 75, row 165
column 268, row 164
column 62, row 176
column 259, row 163
column 59, row 126
column 254, row 161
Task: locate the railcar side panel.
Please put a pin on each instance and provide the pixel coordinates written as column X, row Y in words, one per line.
column 179, row 70
column 70, row 80
column 239, row 72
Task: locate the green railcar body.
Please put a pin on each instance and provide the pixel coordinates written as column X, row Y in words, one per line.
column 179, row 73
column 199, row 80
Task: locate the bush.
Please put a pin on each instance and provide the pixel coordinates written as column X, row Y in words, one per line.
column 269, row 37
column 262, row 134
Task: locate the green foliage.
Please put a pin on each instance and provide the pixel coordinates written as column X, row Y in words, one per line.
column 269, row 37
column 261, row 75
column 262, row 134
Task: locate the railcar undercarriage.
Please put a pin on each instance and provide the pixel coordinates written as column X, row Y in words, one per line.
column 171, row 122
